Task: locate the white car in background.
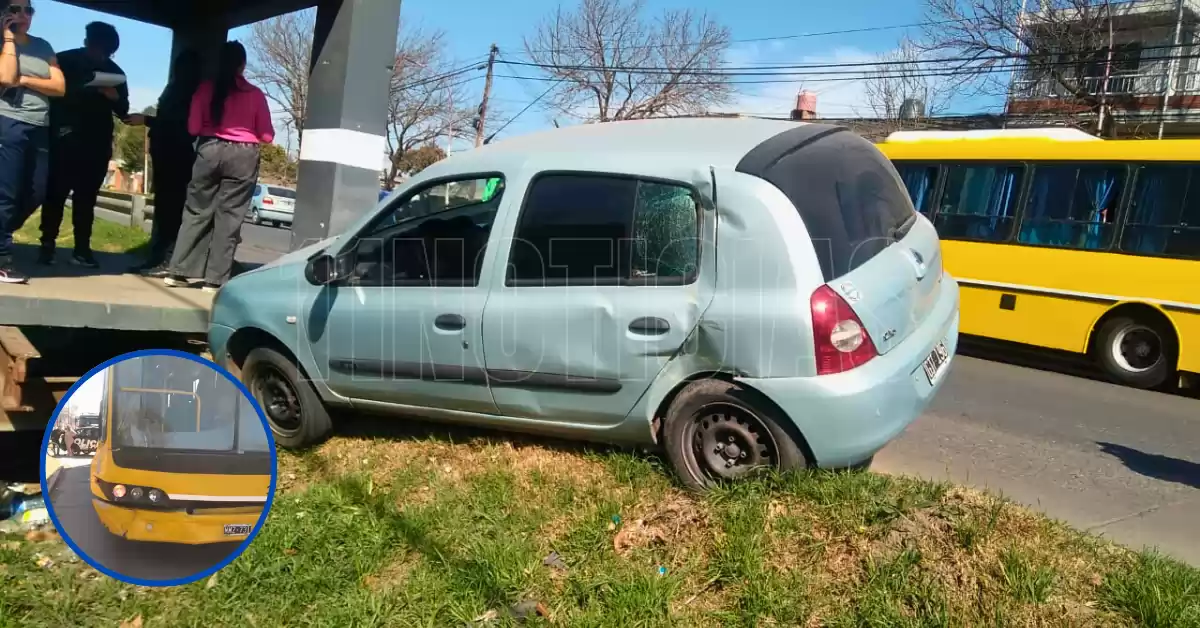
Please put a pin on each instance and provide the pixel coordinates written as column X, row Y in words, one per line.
column 272, row 204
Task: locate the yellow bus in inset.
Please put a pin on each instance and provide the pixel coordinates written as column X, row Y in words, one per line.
column 1069, row 242
column 183, row 456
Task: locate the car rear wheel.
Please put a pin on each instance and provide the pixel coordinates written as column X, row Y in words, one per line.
column 297, row 416
column 254, row 217
column 717, row 431
column 1135, row 352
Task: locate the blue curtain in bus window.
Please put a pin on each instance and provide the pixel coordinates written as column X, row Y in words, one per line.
column 917, row 179
column 1155, row 207
column 1101, row 187
column 978, row 202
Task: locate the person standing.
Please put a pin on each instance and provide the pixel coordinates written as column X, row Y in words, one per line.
column 231, row 120
column 29, row 78
column 81, row 140
column 173, row 154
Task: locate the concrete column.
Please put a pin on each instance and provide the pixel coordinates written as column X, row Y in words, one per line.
column 205, row 37
column 343, row 141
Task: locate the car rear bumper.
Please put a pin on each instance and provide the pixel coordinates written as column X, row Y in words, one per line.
column 174, row 526
column 272, row 215
column 847, row 418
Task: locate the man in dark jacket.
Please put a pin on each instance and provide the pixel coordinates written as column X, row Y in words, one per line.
column 81, row 127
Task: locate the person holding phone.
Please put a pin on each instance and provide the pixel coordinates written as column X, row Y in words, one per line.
column 81, row 140
column 29, row 78
column 231, row 119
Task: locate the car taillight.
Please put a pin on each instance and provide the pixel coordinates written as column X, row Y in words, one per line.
column 268, row 201
column 839, row 338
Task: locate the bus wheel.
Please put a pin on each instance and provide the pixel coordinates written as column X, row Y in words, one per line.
column 295, row 413
column 1135, row 353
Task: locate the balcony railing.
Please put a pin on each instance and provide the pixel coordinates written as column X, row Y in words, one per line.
column 1136, row 85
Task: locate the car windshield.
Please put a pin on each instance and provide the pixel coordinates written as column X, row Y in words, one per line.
column 446, row 197
column 170, row 403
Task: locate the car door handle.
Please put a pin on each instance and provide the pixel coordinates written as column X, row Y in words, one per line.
column 918, row 263
column 450, row 322
column 649, row 326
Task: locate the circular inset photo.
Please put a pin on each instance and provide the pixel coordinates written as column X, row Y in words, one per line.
column 158, row 468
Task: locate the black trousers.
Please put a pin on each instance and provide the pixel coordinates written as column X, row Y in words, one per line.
column 24, row 160
column 219, row 195
column 78, row 166
column 173, row 160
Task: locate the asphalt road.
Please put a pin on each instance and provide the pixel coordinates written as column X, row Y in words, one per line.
column 71, row 500
column 1120, row 462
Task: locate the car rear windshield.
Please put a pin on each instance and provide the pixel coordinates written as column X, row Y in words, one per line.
column 281, row 192
column 848, row 194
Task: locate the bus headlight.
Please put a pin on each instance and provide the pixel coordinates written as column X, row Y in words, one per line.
column 135, row 492
column 118, row 491
column 156, row 496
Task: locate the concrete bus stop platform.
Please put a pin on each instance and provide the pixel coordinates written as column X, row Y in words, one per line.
column 64, row 295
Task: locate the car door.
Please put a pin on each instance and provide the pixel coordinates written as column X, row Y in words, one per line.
column 405, row 327
column 603, row 286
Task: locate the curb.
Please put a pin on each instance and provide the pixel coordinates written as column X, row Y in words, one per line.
column 52, row 482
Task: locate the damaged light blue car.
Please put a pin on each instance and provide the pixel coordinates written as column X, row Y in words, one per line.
column 738, row 292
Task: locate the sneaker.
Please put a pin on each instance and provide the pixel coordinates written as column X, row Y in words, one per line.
column 8, row 274
column 46, row 257
column 210, row 288
column 176, row 281
column 85, row 259
column 160, row 270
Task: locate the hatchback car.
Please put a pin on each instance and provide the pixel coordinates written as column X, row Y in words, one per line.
column 272, row 204
column 740, row 292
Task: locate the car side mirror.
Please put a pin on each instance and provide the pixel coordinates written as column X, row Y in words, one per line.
column 322, row 270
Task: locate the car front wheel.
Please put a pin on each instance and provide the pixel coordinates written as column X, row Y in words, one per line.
column 296, row 414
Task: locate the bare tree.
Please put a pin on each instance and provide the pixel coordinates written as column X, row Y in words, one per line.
column 1064, row 47
column 904, row 74
column 619, row 66
column 280, row 55
column 428, row 100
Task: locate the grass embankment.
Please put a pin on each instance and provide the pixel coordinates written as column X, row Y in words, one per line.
column 107, row 237
column 428, row 533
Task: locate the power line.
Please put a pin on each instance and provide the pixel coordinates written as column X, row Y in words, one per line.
column 769, row 70
column 846, row 31
column 519, row 113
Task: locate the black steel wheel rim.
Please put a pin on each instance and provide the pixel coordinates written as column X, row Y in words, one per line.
column 278, row 398
column 729, row 441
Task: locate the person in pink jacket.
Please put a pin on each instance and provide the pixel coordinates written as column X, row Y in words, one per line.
column 231, row 120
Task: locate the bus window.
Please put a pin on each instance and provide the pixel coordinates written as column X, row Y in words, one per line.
column 251, row 435
column 1073, row 206
column 919, row 180
column 164, row 402
column 978, row 203
column 1164, row 212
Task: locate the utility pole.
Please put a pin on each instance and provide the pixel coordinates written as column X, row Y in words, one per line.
column 487, row 92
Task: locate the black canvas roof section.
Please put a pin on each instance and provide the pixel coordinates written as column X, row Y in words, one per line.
column 848, row 194
column 185, row 13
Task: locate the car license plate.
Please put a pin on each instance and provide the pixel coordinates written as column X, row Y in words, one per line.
column 936, row 362
column 238, row 529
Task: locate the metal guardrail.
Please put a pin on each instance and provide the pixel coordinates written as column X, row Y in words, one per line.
column 134, row 210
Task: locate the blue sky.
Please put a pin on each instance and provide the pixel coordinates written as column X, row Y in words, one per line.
column 145, row 49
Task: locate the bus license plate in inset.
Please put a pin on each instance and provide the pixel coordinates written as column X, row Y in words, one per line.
column 238, row 529
column 936, row 362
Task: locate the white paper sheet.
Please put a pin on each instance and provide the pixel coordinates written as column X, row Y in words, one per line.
column 107, row 79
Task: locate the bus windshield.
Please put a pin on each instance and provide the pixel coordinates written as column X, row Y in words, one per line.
column 168, row 403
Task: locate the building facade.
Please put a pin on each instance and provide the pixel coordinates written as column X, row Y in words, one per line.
column 1144, row 81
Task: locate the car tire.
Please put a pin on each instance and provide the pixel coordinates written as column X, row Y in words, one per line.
column 1135, row 352
column 713, row 428
column 296, row 414
column 254, row 217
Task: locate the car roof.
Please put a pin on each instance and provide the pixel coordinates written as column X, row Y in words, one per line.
column 720, row 142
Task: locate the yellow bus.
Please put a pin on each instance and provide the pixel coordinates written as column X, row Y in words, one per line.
column 1071, row 243
column 183, row 455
